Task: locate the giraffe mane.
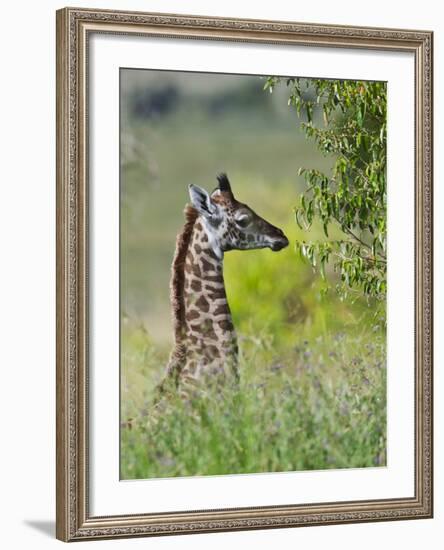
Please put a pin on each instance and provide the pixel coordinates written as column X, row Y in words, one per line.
column 178, row 272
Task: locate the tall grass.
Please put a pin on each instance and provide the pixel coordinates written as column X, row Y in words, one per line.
column 320, row 406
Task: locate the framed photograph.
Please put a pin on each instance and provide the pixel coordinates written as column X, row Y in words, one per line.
column 244, row 274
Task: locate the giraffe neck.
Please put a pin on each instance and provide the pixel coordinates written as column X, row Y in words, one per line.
column 206, row 345
column 207, row 313
column 205, row 340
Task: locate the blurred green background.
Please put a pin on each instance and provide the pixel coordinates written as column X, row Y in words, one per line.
column 179, row 128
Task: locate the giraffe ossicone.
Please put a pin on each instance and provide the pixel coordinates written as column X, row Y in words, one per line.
column 205, row 349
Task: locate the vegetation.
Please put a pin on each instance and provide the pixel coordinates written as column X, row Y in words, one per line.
column 313, row 380
column 353, row 196
column 320, row 406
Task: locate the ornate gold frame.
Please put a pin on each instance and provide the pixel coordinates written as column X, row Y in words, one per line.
column 73, row 519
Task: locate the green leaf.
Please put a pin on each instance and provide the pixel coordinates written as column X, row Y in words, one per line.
column 352, row 198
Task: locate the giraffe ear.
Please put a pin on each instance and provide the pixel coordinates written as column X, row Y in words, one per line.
column 201, row 201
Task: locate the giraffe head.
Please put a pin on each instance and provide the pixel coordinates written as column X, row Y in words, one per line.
column 232, row 225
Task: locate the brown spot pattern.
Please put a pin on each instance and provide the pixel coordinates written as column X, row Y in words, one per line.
column 203, row 304
column 221, row 309
column 209, row 333
column 206, row 265
column 192, row 314
column 212, row 351
column 214, row 278
column 193, row 269
column 196, row 285
column 212, row 288
column 217, row 294
column 225, row 324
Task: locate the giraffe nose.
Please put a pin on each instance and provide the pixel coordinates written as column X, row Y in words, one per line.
column 280, row 243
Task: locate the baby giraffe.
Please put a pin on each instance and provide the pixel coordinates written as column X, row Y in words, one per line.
column 205, row 351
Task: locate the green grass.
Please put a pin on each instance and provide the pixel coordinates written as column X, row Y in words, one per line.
column 322, row 405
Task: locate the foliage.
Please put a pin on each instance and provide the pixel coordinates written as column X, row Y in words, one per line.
column 350, row 202
column 320, row 406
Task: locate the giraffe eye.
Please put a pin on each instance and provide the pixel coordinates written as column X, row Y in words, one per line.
column 243, row 220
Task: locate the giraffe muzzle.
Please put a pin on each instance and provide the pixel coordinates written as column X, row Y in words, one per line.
column 279, row 244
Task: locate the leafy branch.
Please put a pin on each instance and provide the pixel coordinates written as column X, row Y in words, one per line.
column 352, row 199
